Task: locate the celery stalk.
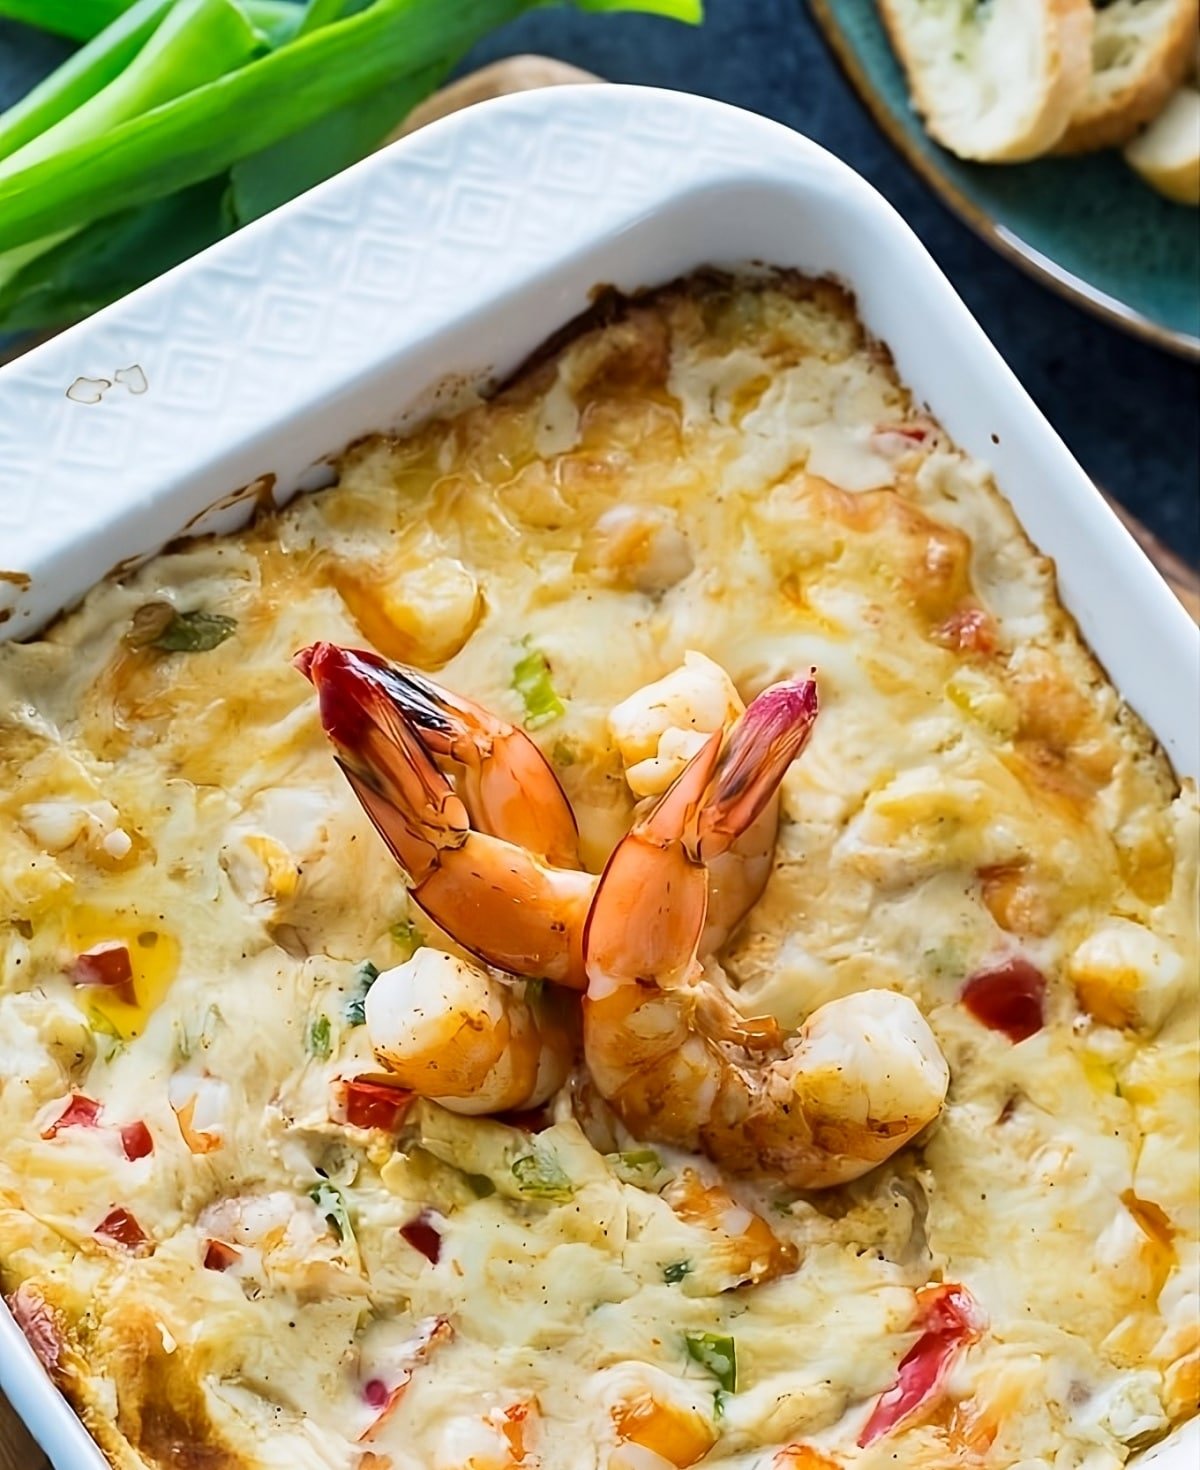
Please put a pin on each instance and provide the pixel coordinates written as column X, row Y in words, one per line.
column 81, row 76
column 196, row 42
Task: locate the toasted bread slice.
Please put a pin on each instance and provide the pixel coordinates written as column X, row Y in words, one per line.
column 1167, row 154
column 996, row 82
column 1141, row 51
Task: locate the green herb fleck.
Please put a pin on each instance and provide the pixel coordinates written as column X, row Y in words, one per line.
column 539, row 1175
column 480, row 1185
column 635, row 1166
column 676, row 1271
column 716, row 1352
column 113, row 1043
column 319, row 1044
column 194, row 632
column 406, row 936
column 364, row 977
column 531, row 680
column 329, row 1201
column 563, row 753
column 719, row 1398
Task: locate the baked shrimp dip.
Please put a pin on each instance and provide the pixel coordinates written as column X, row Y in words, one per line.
column 630, row 932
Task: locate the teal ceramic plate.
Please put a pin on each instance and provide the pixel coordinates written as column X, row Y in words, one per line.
column 1087, row 226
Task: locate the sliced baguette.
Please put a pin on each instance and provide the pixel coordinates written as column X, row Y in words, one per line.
column 995, row 81
column 1141, row 51
column 1167, row 154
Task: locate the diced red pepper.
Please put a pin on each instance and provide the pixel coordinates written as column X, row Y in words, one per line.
column 950, row 1320
column 1009, row 997
column 107, row 965
column 424, row 1236
column 120, row 1226
column 219, row 1255
column 375, row 1104
column 80, row 1112
column 969, row 630
column 136, row 1140
column 375, row 1393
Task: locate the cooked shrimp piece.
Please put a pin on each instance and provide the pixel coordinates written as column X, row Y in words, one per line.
column 657, row 730
column 499, row 901
column 448, row 1030
column 505, row 781
column 664, row 1041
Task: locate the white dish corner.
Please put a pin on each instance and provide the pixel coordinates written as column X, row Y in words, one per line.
column 454, row 254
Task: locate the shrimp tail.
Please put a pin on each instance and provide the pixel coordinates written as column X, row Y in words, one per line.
column 410, row 802
column 761, row 746
column 508, row 787
column 491, row 892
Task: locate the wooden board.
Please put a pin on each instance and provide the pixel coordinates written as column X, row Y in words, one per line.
column 522, row 74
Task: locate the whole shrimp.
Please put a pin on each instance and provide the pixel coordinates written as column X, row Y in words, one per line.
column 663, row 1037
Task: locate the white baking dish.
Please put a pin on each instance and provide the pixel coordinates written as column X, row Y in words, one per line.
column 450, row 256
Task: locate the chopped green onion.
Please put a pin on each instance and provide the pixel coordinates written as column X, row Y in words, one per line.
column 81, row 76
column 676, row 1271
column 539, row 1175
column 194, row 42
column 318, row 13
column 211, row 127
column 717, row 1353
column 319, row 1043
column 106, row 260
column 80, row 20
column 328, row 1199
column 194, row 632
column 636, row 1166
column 405, row 935
column 531, row 680
column 356, row 1007
column 168, row 129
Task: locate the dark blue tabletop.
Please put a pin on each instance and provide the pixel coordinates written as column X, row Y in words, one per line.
column 1130, row 413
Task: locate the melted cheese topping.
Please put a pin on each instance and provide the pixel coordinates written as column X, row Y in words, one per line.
column 731, row 470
